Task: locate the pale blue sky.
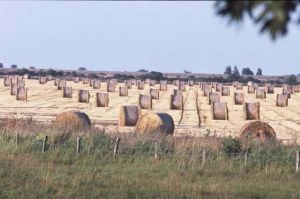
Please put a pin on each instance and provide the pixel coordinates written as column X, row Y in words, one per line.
column 160, row 36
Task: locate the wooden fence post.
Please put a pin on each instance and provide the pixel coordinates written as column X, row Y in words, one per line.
column 116, row 148
column 155, row 150
column 203, row 157
column 78, row 146
column 246, row 155
column 297, row 161
column 44, row 143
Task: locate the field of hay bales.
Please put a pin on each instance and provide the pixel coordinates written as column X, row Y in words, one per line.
column 44, row 102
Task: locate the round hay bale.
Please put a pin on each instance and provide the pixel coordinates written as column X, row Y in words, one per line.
column 21, row 93
column 252, row 111
column 213, row 97
column 269, row 89
column 251, row 89
column 288, row 90
column 21, row 83
column 219, row 87
column 133, row 82
column 220, row 111
column 177, row 92
column 110, row 87
column 43, row 80
column 123, row 91
column 250, row 83
column 56, row 82
column 261, row 93
column 61, row 83
column 234, row 84
column 257, row 130
column 85, row 80
column 156, row 123
column 13, row 89
column 154, row 93
column 7, row 81
column 282, row 100
column 225, row 91
column 238, row 98
column 147, row 81
column 67, row 92
column 176, row 102
column 145, row 101
column 152, row 82
column 129, row 115
column 140, row 85
column 191, row 82
column 213, row 84
column 102, row 99
column 297, row 89
column 83, row 96
column 176, row 82
column 239, row 86
column 76, row 80
column 128, row 83
column 206, row 90
column 72, row 121
column 163, row 86
column 96, row 84
column 91, row 82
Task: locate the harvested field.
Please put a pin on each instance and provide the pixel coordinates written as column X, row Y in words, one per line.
column 45, row 102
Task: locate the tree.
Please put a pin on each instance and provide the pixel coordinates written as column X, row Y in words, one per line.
column 247, row 71
column 291, row 79
column 1, row 65
column 259, row 71
column 31, row 68
column 14, row 66
column 187, row 72
column 228, row 70
column 236, row 72
column 81, row 68
column 143, row 71
column 273, row 17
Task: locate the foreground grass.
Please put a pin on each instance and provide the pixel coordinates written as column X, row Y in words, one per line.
column 25, row 172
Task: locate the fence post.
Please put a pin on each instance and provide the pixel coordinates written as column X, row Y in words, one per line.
column 297, row 161
column 246, row 155
column 44, row 143
column 203, row 157
column 78, row 146
column 116, row 148
column 155, row 150
column 17, row 139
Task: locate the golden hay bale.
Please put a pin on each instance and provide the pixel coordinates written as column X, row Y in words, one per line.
column 76, row 80
column 250, row 83
column 177, row 92
column 288, row 90
column 176, row 82
column 163, row 86
column 42, row 80
column 147, row 81
column 56, row 82
column 220, row 111
column 102, row 99
column 261, row 93
column 238, row 98
column 219, row 87
column 123, row 91
column 83, row 96
column 213, row 97
column 251, row 89
column 85, row 80
column 21, row 93
column 152, row 82
column 176, row 102
column 145, row 101
column 128, row 83
column 156, row 123
column 239, row 86
column 257, row 130
column 269, row 89
column 182, row 86
column 13, row 89
column 96, row 84
column 61, row 83
column 282, row 100
column 140, row 85
column 7, row 81
column 252, row 111
column 191, row 82
column 67, row 92
column 297, row 89
column 213, row 84
column 110, row 87
column 234, row 84
column 72, row 120
column 91, row 82
column 225, row 91
column 206, row 90
column 154, row 93
column 133, row 82
column 129, row 115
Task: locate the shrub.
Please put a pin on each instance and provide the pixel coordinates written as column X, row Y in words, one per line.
column 231, row 145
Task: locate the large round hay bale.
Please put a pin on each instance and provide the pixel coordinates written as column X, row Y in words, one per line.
column 288, row 90
column 13, row 89
column 86, row 80
column 257, row 130
column 252, row 111
column 61, row 83
column 67, row 92
column 133, row 82
column 7, row 81
column 155, row 123
column 213, row 97
column 96, row 84
column 297, row 89
column 177, row 92
column 128, row 83
column 152, row 82
column 110, row 87
column 282, row 100
column 56, row 81
column 21, row 93
column 176, row 102
column 129, row 115
column 102, row 99
column 261, row 93
column 182, row 86
column 123, row 91
column 140, row 85
column 225, row 91
column 76, row 80
column 191, row 82
column 83, row 96
column 42, row 80
column 213, row 84
column 147, row 81
column 91, row 82
column 239, row 86
column 206, row 90
column 219, row 87
column 238, row 98
column 220, row 111
column 269, row 89
column 251, row 89
column 154, row 93
column 72, row 120
column 145, row 101
column 163, row 86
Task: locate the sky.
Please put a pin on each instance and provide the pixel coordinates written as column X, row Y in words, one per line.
column 128, row 36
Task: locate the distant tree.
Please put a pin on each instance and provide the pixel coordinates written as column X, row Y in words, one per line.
column 228, row 70
column 236, row 72
column 81, row 68
column 31, row 68
column 247, row 71
column 259, row 71
column 1, row 65
column 291, row 79
column 14, row 66
column 143, row 71
column 187, row 72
